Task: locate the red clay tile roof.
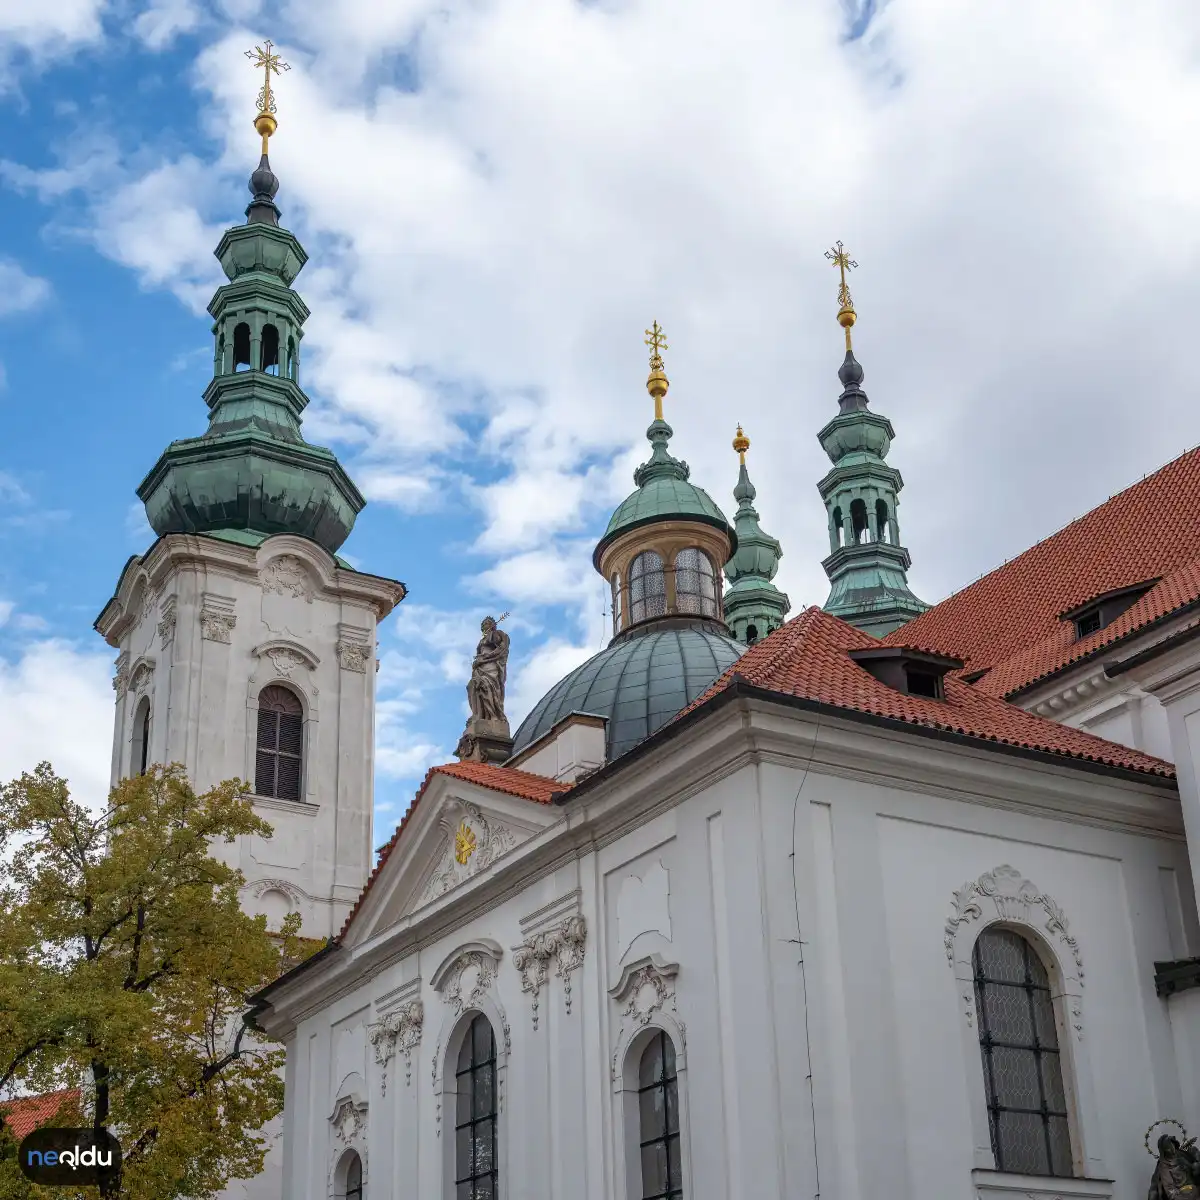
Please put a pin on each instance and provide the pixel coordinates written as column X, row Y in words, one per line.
column 1011, row 616
column 25, row 1114
column 512, row 782
column 808, row 658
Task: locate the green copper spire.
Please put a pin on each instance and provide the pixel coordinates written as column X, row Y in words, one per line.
column 867, row 565
column 754, row 606
column 252, row 474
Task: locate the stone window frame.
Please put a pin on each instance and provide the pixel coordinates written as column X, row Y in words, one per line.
column 341, row 1172
column 310, row 719
column 1003, row 898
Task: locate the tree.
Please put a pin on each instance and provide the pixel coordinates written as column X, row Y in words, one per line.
column 126, row 964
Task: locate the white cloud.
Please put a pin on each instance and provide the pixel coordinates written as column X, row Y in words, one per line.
column 47, row 30
column 20, row 291
column 137, row 526
column 56, row 704
column 164, row 20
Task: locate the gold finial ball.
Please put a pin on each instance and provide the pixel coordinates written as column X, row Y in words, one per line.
column 658, row 383
column 265, row 124
column 741, row 443
column 846, row 317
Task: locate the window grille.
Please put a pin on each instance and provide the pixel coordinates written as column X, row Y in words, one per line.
column 476, row 1170
column 647, row 587
column 658, row 1109
column 1022, row 1071
column 695, row 583
column 280, row 744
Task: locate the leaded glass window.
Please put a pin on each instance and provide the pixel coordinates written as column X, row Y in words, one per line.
column 354, row 1188
column 280, row 744
column 658, row 1114
column 647, row 587
column 1022, row 1068
column 695, row 583
column 476, row 1171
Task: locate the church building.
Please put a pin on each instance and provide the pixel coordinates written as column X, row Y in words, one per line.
column 883, row 899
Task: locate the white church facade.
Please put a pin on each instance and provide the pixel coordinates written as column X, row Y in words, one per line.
column 882, row 900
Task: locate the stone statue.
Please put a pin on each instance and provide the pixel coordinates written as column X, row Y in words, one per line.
column 1177, row 1172
column 487, row 737
column 489, row 670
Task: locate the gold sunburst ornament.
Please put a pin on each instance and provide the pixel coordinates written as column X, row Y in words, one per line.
column 264, row 56
column 464, row 844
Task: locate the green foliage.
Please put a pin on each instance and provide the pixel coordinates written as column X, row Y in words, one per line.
column 126, row 964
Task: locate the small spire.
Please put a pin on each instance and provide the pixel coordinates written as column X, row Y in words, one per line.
column 741, row 443
column 264, row 183
column 846, row 314
column 264, row 56
column 657, row 383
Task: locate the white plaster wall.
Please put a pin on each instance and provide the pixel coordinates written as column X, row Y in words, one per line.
column 725, row 892
column 207, row 634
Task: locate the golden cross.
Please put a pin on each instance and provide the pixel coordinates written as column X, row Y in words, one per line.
column 265, row 57
column 844, row 263
column 657, row 341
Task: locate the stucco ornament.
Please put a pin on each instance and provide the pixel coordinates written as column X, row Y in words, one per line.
column 216, row 626
column 285, row 661
column 468, row 980
column 139, row 681
column 563, row 945
column 166, row 629
column 491, row 840
column 286, row 576
column 1013, row 898
column 349, row 1122
column 121, row 678
column 354, row 656
column 398, row 1031
column 646, row 993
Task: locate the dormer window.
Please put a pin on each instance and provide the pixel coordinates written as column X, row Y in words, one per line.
column 1102, row 610
column 909, row 671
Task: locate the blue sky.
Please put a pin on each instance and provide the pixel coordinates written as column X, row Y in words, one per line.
column 497, row 197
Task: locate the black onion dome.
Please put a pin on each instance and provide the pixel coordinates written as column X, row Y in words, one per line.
column 638, row 683
column 264, row 185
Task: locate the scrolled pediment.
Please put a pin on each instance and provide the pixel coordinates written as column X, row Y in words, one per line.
column 286, row 655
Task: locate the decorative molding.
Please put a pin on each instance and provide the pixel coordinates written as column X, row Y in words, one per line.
column 166, row 627
column 260, row 887
column 140, row 676
column 398, row 1030
column 286, row 576
column 1013, row 898
column 354, row 648
column 465, row 977
column 120, row 680
column 492, row 839
column 285, row 655
column 1002, row 1185
column 217, row 618
column 1074, row 694
column 349, row 1121
column 645, row 991
column 150, row 597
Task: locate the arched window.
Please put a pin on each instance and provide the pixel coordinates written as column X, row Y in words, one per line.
column 476, row 1170
column 658, row 1111
column 695, row 583
column 617, row 600
column 881, row 522
column 354, row 1178
column 241, row 347
column 219, row 366
column 139, row 758
column 280, row 742
column 293, row 363
column 647, row 587
column 751, row 634
column 858, row 519
column 1022, row 1068
column 837, row 531
column 270, row 349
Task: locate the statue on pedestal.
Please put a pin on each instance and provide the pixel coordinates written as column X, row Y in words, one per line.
column 487, row 737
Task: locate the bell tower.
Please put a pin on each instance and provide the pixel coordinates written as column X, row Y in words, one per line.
column 246, row 645
column 867, row 566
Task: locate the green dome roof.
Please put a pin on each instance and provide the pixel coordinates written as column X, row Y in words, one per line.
column 663, row 494
column 638, row 683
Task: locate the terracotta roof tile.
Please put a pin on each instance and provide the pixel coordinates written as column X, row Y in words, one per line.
column 1142, row 533
column 808, row 658
column 27, row 1113
column 512, row 782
